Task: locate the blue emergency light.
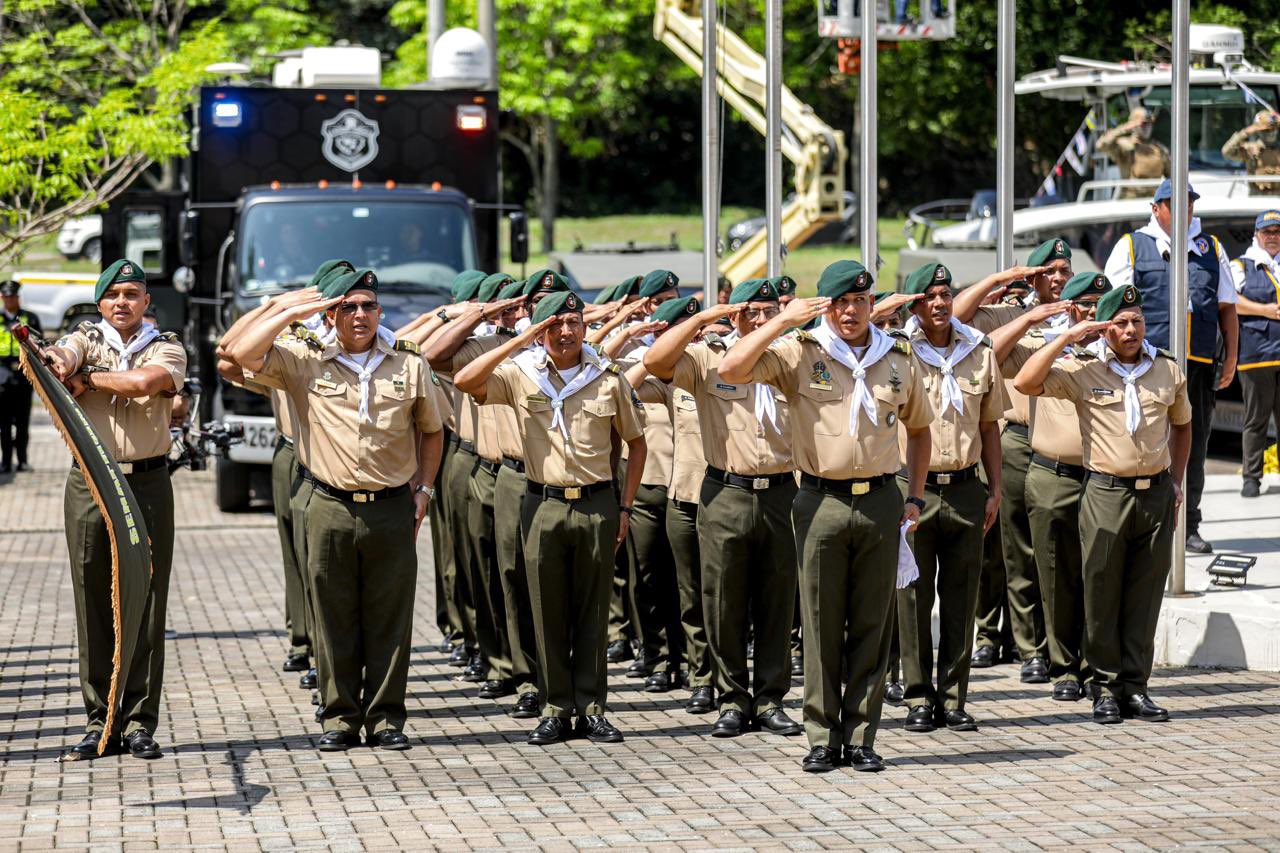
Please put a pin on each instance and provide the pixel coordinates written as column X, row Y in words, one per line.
column 226, row 114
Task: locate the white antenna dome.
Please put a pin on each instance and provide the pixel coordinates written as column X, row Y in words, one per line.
column 460, row 58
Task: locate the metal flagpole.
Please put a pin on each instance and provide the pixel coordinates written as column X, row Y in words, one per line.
column 867, row 187
column 1178, row 297
column 773, row 134
column 710, row 156
column 435, row 26
column 1006, row 35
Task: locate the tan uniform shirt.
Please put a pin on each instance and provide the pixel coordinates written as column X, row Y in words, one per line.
column 688, row 464
column 333, row 442
column 659, row 432
column 1136, row 157
column 821, row 392
column 956, row 439
column 498, row 433
column 732, row 438
column 1055, row 426
column 1098, row 394
column 1258, row 157
column 604, row 405
column 132, row 428
column 989, row 318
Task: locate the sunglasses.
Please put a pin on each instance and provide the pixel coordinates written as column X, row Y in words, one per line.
column 367, row 307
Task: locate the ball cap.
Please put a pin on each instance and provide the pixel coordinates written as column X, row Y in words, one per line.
column 9, row 288
column 1086, row 284
column 1164, row 192
column 844, row 277
column 753, row 290
column 1267, row 219
column 1116, row 300
column 1053, row 249
column 559, row 302
column 122, row 270
column 925, row 277
column 658, row 281
column 674, row 310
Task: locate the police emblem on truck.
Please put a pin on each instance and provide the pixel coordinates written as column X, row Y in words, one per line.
column 350, row 140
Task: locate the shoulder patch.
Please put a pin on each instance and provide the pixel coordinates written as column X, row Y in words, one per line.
column 1164, row 353
column 902, row 346
column 90, row 330
column 802, row 335
column 406, row 346
column 612, row 367
column 167, row 337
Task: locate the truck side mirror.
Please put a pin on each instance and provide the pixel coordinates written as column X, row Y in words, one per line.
column 188, row 241
column 519, row 237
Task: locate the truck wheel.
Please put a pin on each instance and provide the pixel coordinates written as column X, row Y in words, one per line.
column 231, row 485
column 92, row 250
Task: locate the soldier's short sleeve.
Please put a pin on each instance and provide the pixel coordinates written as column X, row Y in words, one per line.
column 691, row 368
column 778, row 366
column 426, row 414
column 500, row 388
column 917, row 412
column 993, row 401
column 627, row 420
column 471, row 349
column 1018, row 356
column 1065, row 380
column 1180, row 411
column 991, row 317
column 78, row 343
column 653, row 390
column 172, row 357
column 280, row 368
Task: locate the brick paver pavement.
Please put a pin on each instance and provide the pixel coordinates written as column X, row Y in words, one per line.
column 241, row 770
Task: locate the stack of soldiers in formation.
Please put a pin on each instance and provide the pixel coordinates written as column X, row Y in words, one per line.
column 727, row 493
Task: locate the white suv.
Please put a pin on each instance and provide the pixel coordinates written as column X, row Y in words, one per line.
column 82, row 238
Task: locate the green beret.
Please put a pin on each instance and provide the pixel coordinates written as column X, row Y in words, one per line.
column 122, row 270
column 545, row 280
column 753, row 290
column 844, row 277
column 784, row 284
column 343, row 284
column 466, row 284
column 1116, row 300
column 674, row 310
column 925, row 277
column 1086, row 284
column 489, row 288
column 327, row 269
column 656, row 282
column 511, row 290
column 559, row 302
column 1050, row 250
column 881, row 294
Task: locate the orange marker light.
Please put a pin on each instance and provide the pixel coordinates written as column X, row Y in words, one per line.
column 390, row 185
column 323, row 184
column 436, row 185
column 356, row 183
column 275, row 185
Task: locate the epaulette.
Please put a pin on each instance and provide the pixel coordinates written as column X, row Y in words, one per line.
column 406, row 345
column 503, row 331
column 802, row 335
column 1164, row 353
column 167, row 337
column 901, row 341
column 90, row 329
column 612, row 367
column 1083, row 353
column 986, row 341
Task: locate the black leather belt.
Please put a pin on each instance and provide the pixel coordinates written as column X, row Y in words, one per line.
column 685, row 506
column 1062, row 469
column 490, row 466
column 751, row 484
column 467, row 446
column 513, row 464
column 1021, row 429
column 567, row 493
column 359, row 496
column 137, row 466
column 1139, row 484
column 843, row 487
column 950, row 478
column 283, row 440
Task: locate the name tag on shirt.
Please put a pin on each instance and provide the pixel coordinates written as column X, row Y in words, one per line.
column 821, row 386
column 323, row 385
column 1102, row 392
column 723, row 387
column 538, row 398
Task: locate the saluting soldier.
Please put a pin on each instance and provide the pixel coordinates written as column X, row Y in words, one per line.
column 1055, row 482
column 15, row 390
column 369, row 440
column 786, row 287
column 569, row 405
column 744, row 511
column 1132, row 149
column 849, row 385
column 1257, row 279
column 1257, row 148
column 125, row 375
column 960, row 375
column 1135, row 420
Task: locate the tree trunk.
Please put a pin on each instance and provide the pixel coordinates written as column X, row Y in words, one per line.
column 549, row 199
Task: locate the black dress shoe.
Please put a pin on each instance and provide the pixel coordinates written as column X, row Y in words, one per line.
column 476, row 671
column 22, row 468
column 1035, row 671
column 863, row 759
column 640, row 669
column 550, row 730
column 983, row 657
column 701, row 702
column 597, row 729
column 659, row 682
column 141, row 745
column 732, row 723
column 1251, row 489
column 461, row 656
column 6, row 468
column 779, row 723
column 337, row 741
column 797, row 666
column 920, row 719
column 393, row 739
column 957, row 721
column 1196, row 544
column 309, row 681
column 87, row 749
column 527, row 707
column 1067, row 691
column 618, row 651
column 297, row 663
column 894, row 692
column 315, row 697
column 685, row 680
column 1106, row 710
column 497, row 688
column 445, row 647
column 1140, row 707
column 819, row 760
column 319, row 712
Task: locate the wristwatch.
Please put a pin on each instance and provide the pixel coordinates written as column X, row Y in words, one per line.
column 424, row 489
column 917, row 501
column 88, row 380
column 627, row 509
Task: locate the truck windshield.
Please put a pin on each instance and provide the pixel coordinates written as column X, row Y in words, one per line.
column 413, row 246
column 1216, row 113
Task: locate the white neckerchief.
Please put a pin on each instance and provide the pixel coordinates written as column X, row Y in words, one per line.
column 363, row 372
column 878, row 344
column 765, row 407
column 315, row 323
column 126, row 352
column 485, row 329
column 1130, row 373
column 1164, row 243
column 1259, row 257
column 522, row 324
column 1055, row 325
column 966, row 340
column 534, row 362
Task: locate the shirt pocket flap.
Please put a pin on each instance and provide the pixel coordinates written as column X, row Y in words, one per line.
column 327, row 388
column 600, row 408
column 686, row 403
column 725, row 391
column 890, row 396
column 820, row 393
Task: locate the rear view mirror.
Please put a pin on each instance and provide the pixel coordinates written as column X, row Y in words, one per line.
column 188, row 248
column 519, row 237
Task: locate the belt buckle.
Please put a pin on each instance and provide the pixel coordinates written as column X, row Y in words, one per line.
column 942, row 479
column 126, row 467
column 1142, row 483
column 860, row 488
column 360, row 497
column 573, row 493
column 759, row 483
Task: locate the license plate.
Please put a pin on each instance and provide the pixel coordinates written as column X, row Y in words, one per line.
column 260, row 435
